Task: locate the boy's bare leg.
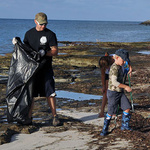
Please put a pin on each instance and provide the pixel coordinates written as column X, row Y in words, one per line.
column 127, row 110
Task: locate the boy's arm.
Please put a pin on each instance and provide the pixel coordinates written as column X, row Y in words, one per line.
column 127, row 88
column 120, row 85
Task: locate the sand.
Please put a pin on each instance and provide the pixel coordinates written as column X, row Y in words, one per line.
column 66, row 140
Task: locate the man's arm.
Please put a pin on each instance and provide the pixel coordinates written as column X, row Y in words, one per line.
column 53, row 51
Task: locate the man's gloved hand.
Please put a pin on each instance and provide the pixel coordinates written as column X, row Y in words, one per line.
column 42, row 52
column 14, row 41
column 40, row 55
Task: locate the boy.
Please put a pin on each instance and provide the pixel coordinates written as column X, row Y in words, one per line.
column 115, row 93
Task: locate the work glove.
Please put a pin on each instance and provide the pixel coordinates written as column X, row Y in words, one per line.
column 40, row 55
column 42, row 52
column 14, row 41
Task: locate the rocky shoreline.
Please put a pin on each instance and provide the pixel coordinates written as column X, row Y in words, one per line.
column 147, row 22
column 76, row 70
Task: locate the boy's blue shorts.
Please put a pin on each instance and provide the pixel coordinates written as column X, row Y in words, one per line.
column 115, row 98
column 43, row 83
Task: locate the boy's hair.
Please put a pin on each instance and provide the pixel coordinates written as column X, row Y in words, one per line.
column 105, row 62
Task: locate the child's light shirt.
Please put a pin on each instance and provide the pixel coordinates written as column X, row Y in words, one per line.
column 115, row 77
column 107, row 71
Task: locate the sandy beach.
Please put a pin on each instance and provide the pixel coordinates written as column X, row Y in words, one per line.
column 66, row 140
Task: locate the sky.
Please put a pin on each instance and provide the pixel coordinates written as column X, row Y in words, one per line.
column 97, row 10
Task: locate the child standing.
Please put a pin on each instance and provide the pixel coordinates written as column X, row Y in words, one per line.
column 115, row 93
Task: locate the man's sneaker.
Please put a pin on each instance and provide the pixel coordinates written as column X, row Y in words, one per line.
column 56, row 121
column 28, row 121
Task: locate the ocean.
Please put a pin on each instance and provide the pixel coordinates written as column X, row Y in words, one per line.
column 71, row 30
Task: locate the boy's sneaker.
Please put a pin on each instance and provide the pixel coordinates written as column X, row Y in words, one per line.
column 56, row 121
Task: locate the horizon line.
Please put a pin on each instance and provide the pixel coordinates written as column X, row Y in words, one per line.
column 76, row 20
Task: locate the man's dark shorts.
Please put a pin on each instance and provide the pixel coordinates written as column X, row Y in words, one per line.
column 44, row 84
column 115, row 98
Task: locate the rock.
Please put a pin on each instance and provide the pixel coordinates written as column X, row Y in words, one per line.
column 145, row 22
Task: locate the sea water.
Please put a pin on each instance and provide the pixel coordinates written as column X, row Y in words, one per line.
column 71, row 30
column 76, row 96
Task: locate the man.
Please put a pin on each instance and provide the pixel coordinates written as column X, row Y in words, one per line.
column 43, row 41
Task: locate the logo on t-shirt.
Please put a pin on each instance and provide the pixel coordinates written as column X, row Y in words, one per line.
column 43, row 40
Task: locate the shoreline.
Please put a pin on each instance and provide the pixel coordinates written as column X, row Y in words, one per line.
column 75, row 43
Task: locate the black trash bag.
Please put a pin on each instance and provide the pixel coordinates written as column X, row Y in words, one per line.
column 19, row 86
